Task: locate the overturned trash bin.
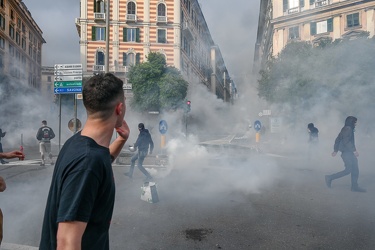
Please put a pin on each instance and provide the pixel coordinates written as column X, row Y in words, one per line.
column 149, row 192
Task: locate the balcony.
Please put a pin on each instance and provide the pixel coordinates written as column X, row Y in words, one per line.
column 131, row 18
column 187, row 30
column 99, row 16
column 293, row 10
column 98, row 68
column 321, row 3
column 161, row 19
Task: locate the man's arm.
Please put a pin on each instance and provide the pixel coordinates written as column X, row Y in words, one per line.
column 116, row 146
column 69, row 235
column 52, row 135
column 3, row 186
column 13, row 154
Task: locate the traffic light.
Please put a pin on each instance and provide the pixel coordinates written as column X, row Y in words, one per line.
column 188, row 106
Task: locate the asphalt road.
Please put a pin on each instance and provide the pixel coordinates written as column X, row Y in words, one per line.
column 256, row 202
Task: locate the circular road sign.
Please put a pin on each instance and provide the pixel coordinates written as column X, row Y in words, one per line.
column 163, row 127
column 257, row 125
column 71, row 124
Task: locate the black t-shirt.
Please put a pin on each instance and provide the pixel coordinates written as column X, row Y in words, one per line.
column 82, row 189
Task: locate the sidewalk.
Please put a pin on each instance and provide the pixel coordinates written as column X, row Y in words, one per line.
column 8, row 246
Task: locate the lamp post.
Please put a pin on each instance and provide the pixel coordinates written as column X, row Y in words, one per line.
column 107, row 38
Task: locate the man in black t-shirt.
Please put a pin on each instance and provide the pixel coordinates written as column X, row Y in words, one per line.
column 81, row 197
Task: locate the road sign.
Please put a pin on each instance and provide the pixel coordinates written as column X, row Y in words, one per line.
column 68, row 72
column 68, row 90
column 163, row 127
column 67, row 84
column 257, row 125
column 68, row 78
column 68, row 66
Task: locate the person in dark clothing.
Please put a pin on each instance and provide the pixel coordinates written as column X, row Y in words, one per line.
column 82, row 194
column 345, row 143
column 143, row 143
column 2, row 134
column 44, row 135
column 313, row 133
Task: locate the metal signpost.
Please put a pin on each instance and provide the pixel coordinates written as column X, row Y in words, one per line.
column 257, row 127
column 68, row 80
column 163, row 128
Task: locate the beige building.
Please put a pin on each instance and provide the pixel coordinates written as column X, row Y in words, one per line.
column 21, row 43
column 284, row 21
column 175, row 28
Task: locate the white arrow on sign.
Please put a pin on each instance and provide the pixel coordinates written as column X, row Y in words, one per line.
column 67, row 78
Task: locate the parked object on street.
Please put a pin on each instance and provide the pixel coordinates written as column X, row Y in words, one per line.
column 149, row 192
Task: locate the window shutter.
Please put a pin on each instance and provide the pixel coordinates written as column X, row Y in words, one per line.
column 137, row 35
column 285, row 5
column 312, row 29
column 93, row 35
column 301, row 3
column 124, row 59
column 125, row 34
column 312, row 2
column 94, row 5
column 105, row 33
column 137, row 58
column 330, row 25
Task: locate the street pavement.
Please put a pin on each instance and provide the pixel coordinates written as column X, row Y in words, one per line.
column 273, row 200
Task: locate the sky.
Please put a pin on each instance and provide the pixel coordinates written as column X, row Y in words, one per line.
column 234, row 31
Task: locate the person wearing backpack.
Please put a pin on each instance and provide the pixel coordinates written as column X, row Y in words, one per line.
column 345, row 143
column 44, row 136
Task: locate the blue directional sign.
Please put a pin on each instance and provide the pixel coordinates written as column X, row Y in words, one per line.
column 163, row 127
column 68, row 90
column 257, row 125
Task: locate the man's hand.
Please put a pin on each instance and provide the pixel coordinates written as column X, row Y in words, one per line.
column 334, row 154
column 3, row 186
column 124, row 130
column 13, row 154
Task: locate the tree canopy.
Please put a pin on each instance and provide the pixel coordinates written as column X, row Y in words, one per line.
column 335, row 74
column 156, row 86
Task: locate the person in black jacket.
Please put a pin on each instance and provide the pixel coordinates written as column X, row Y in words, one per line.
column 143, row 143
column 44, row 136
column 2, row 134
column 345, row 143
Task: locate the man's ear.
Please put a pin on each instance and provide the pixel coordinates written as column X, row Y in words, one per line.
column 119, row 108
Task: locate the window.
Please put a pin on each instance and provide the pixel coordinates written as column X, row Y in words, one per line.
column 321, row 27
column 162, row 36
column 23, row 43
column 19, row 23
column 2, row 3
column 12, row 14
column 352, row 20
column 294, row 32
column 18, row 38
column 292, row 4
column 98, row 33
column 131, row 34
column 11, row 50
column 23, row 28
column 131, row 8
column 130, row 59
column 99, row 58
column 99, row 6
column 2, row 43
column 11, row 31
column 161, row 10
column 2, row 22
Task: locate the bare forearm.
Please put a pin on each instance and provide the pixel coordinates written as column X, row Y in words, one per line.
column 116, row 146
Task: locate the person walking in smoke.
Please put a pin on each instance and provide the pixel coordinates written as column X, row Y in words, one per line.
column 313, row 139
column 44, row 135
column 143, row 143
column 8, row 155
column 346, row 144
column 82, row 194
column 2, row 134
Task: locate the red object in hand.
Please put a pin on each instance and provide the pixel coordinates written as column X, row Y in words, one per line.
column 21, row 148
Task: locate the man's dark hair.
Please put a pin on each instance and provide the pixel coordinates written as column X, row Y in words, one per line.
column 141, row 126
column 44, row 122
column 101, row 92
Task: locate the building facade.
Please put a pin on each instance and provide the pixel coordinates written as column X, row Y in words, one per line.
column 285, row 21
column 175, row 28
column 21, row 43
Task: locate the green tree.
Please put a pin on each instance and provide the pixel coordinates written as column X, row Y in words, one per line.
column 156, row 86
